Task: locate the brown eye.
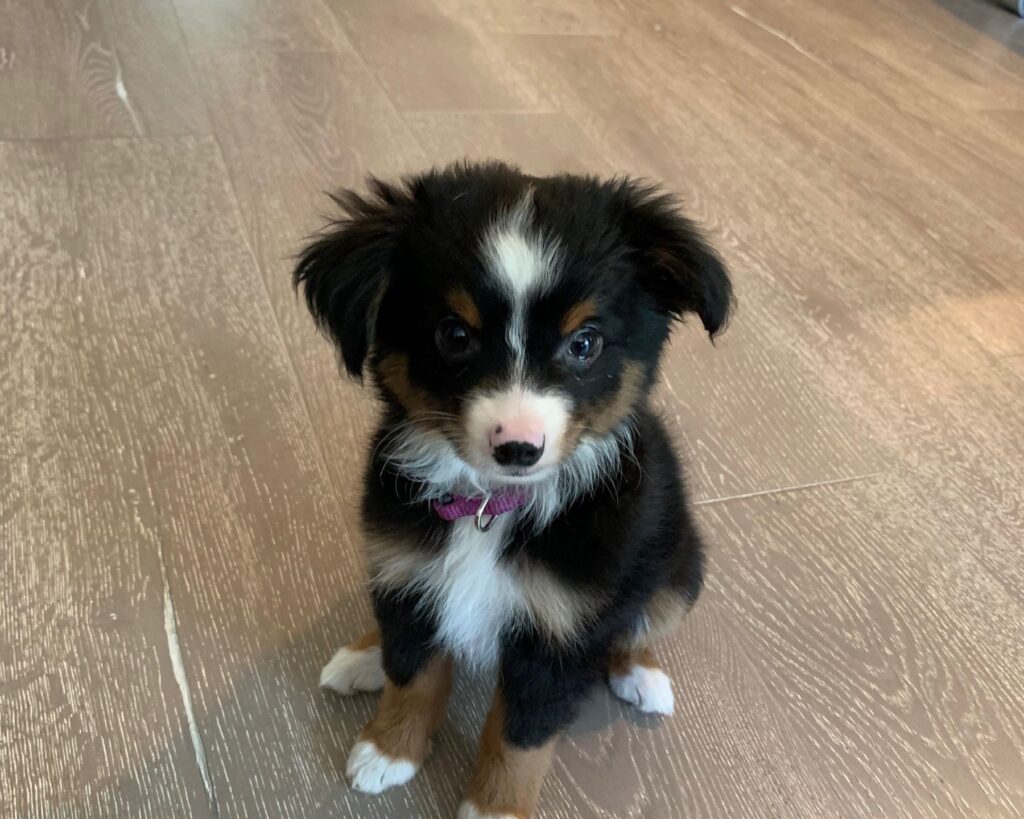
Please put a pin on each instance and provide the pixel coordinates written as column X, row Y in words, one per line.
column 585, row 346
column 454, row 339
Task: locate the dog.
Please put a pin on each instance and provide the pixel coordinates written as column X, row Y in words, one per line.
column 524, row 510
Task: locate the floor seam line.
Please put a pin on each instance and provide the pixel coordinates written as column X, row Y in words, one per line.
column 781, row 490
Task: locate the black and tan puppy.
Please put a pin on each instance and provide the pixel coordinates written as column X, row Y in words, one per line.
column 523, row 507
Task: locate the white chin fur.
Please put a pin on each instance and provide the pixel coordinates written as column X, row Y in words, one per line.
column 372, row 771
column 350, row 671
column 467, row 810
column 649, row 689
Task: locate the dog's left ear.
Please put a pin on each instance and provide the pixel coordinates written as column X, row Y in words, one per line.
column 677, row 266
column 345, row 270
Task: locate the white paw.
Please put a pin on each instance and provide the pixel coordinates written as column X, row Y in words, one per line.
column 350, row 671
column 649, row 689
column 372, row 771
column 467, row 810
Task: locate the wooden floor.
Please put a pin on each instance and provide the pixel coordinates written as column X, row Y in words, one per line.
column 179, row 459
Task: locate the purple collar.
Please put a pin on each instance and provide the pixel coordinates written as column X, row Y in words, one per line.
column 453, row 507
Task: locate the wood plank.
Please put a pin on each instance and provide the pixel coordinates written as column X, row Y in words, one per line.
column 903, row 74
column 88, row 69
column 848, row 153
column 276, row 25
column 428, row 61
column 906, row 120
column 158, row 74
column 537, row 16
column 912, row 58
column 541, row 144
column 91, row 716
column 861, row 628
column 291, row 127
column 985, row 30
column 236, row 486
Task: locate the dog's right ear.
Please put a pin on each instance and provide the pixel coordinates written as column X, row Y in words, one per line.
column 344, row 270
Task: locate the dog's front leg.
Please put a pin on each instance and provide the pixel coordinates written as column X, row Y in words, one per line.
column 537, row 696
column 418, row 681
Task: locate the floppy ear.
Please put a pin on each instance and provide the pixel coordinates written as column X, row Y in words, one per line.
column 344, row 271
column 677, row 266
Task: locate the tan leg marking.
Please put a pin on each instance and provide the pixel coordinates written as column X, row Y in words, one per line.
column 507, row 779
column 622, row 661
column 409, row 715
column 368, row 640
column 393, row 746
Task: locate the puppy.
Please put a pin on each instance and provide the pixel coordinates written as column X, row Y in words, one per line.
column 523, row 508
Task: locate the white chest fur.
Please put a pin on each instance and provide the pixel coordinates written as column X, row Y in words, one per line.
column 476, row 595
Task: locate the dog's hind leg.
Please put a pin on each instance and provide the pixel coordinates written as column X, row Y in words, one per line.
column 635, row 676
column 634, row 673
column 356, row 667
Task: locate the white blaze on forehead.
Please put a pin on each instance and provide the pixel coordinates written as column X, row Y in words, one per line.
column 492, row 409
column 523, row 261
column 517, row 253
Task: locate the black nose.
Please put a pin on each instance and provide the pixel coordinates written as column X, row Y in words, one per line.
column 517, row 453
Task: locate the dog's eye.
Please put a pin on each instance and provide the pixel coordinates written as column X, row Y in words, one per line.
column 454, row 339
column 585, row 346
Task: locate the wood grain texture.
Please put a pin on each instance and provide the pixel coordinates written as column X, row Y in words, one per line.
column 865, row 675
column 91, row 719
column 537, row 16
column 290, row 131
column 95, row 68
column 274, row 25
column 179, row 462
column 430, row 61
column 988, row 34
column 541, row 144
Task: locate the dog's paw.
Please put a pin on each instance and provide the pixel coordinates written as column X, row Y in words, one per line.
column 467, row 810
column 370, row 770
column 649, row 689
column 352, row 670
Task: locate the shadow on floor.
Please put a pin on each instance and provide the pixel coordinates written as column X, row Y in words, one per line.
column 992, row 18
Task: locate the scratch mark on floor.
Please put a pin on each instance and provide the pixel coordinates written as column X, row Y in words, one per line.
column 781, row 35
column 181, row 678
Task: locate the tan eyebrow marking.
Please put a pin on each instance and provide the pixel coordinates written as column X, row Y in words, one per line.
column 577, row 314
column 462, row 303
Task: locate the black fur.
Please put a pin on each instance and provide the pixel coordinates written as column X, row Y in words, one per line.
column 376, row 281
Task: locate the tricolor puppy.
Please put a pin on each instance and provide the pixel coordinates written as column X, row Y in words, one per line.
column 523, row 508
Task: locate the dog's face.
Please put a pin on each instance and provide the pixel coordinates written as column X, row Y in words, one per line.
column 507, row 317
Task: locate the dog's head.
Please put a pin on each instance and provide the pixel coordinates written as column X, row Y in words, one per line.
column 510, row 321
